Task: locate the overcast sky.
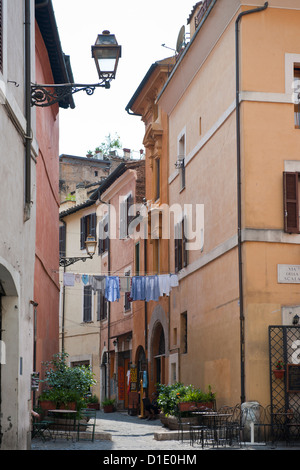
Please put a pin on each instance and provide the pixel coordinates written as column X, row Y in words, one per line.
column 141, row 27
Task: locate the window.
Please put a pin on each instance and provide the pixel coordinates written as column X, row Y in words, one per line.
column 181, row 254
column 137, row 259
column 291, row 201
column 103, row 235
column 87, row 303
column 62, row 240
column 181, row 158
column 127, row 302
column 183, row 333
column 101, row 306
column 87, row 227
column 157, row 179
column 125, row 216
column 297, row 101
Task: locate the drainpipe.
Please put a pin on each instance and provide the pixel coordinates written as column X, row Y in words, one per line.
column 239, row 202
column 28, row 136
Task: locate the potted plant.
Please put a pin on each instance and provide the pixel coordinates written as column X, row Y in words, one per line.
column 279, row 370
column 66, row 386
column 93, row 402
column 108, row 405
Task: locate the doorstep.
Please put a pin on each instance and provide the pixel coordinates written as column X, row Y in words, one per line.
column 168, row 435
column 85, row 435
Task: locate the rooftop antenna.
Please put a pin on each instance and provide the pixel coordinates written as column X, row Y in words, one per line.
column 180, row 40
column 163, row 45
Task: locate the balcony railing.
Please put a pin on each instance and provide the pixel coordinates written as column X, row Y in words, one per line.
column 202, row 11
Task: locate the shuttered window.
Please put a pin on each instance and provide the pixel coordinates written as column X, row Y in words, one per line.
column 103, row 235
column 87, row 227
column 181, row 253
column 101, row 306
column 87, row 303
column 62, row 240
column 125, row 216
column 291, row 202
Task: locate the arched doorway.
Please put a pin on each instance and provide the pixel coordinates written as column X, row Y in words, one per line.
column 158, row 346
column 103, row 377
column 12, row 358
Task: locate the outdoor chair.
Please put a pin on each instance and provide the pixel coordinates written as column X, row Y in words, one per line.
column 87, row 420
column 41, row 427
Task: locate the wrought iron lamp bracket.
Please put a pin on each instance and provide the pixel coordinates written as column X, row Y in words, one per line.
column 47, row 95
column 68, row 261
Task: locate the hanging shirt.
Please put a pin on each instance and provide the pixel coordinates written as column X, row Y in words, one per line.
column 138, row 288
column 112, row 288
column 152, row 288
column 164, row 284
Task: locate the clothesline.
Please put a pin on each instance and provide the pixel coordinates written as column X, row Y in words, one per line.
column 137, row 287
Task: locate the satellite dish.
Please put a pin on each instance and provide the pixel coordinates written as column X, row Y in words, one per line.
column 181, row 39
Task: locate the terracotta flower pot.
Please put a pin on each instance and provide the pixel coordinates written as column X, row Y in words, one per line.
column 186, row 405
column 108, row 408
column 278, row 373
column 93, row 406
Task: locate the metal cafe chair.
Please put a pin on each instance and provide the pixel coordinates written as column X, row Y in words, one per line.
column 87, row 419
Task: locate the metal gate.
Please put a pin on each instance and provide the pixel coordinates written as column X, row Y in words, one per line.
column 284, row 345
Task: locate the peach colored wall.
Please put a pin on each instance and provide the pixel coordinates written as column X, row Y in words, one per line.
column 269, row 140
column 46, row 290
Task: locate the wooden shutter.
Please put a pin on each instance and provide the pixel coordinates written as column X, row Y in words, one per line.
column 176, row 248
column 93, row 221
column 123, row 219
column 62, row 240
column 82, row 233
column 87, row 304
column 184, row 242
column 290, row 202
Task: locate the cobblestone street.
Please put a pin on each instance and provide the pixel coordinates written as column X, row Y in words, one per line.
column 119, row 431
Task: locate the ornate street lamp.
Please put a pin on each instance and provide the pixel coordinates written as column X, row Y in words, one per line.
column 90, row 246
column 106, row 53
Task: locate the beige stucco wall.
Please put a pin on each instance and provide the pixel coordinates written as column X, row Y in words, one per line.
column 81, row 339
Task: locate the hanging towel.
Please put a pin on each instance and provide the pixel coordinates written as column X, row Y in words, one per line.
column 174, row 280
column 138, row 288
column 152, row 288
column 164, row 284
column 77, row 277
column 112, row 288
column 69, row 279
column 125, row 283
column 98, row 283
column 85, row 278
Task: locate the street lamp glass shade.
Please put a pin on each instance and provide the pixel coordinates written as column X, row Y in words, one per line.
column 90, row 245
column 106, row 53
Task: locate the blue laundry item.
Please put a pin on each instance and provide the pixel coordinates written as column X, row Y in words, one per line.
column 152, row 288
column 145, row 379
column 112, row 288
column 85, row 279
column 138, row 288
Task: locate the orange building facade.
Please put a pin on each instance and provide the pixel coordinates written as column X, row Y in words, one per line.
column 222, row 121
